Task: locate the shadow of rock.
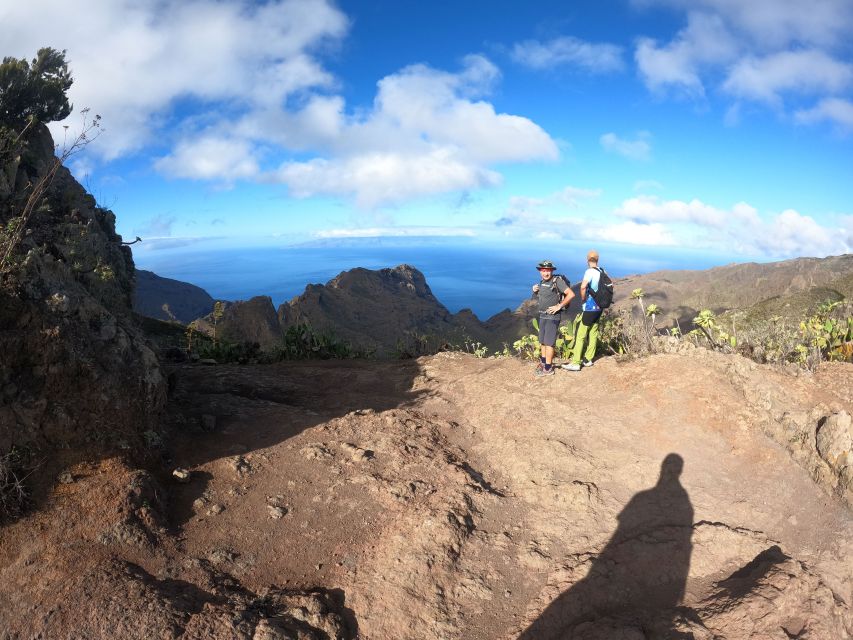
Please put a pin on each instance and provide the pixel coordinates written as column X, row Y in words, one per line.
column 230, row 411
column 632, row 588
column 130, row 602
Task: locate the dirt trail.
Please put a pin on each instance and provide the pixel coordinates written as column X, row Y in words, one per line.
column 454, row 497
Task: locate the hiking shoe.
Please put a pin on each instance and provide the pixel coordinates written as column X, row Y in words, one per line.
column 588, row 363
column 571, row 367
column 542, row 371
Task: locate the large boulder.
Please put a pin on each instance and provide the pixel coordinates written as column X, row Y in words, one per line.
column 252, row 320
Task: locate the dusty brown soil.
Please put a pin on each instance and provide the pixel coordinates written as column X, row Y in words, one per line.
column 453, row 497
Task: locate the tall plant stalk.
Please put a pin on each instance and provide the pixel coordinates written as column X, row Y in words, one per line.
column 85, row 136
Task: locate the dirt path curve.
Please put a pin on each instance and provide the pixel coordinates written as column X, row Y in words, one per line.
column 454, row 497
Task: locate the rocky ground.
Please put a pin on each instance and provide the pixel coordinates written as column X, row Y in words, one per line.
column 677, row 496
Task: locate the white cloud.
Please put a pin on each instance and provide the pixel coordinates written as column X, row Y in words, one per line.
column 210, row 157
column 639, row 149
column 763, row 51
column 548, row 235
column 705, row 41
column 158, row 227
column 133, row 62
column 648, row 209
column 741, row 229
column 832, row 109
column 166, row 243
column 426, row 134
column 661, row 67
column 251, row 71
column 382, row 178
column 808, row 72
column 394, row 232
column 530, row 211
column 82, row 168
column 793, row 234
column 845, row 227
column 650, row 220
column 646, row 185
column 630, row 232
column 776, row 23
column 569, row 51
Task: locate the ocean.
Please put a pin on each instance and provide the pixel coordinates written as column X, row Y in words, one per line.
column 462, row 273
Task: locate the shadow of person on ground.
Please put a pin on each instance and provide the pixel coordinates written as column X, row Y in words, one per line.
column 632, row 588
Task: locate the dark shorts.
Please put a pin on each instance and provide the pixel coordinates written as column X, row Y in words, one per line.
column 589, row 318
column 548, row 326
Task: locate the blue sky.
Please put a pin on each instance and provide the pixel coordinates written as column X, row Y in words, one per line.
column 716, row 125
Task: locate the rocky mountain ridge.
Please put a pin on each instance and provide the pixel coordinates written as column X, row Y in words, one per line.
column 379, row 309
column 682, row 294
column 167, row 299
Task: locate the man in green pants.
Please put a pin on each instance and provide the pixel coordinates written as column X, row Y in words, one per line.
column 588, row 328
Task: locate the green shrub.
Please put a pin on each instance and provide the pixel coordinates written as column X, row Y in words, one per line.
column 414, row 345
column 824, row 334
column 713, row 332
column 303, row 342
column 827, row 334
column 35, row 90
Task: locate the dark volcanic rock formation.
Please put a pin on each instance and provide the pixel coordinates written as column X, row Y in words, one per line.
column 167, row 299
column 379, row 309
column 74, row 367
column 252, row 320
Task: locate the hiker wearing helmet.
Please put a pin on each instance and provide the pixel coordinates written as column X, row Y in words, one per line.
column 588, row 327
column 553, row 294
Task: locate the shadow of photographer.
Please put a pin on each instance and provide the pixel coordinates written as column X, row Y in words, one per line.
column 633, row 587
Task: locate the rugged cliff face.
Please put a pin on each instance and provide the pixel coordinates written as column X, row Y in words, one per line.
column 251, row 321
column 379, row 309
column 74, row 367
column 167, row 299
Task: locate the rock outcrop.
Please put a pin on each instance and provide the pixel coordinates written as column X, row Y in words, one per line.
column 253, row 320
column 392, row 309
column 166, row 299
column 372, row 309
column 74, row 368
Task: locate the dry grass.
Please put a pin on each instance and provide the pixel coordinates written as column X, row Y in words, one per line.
column 13, row 492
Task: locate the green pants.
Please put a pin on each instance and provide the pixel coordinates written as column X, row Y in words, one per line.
column 585, row 331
